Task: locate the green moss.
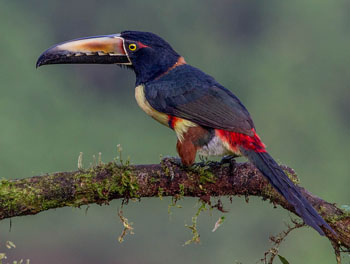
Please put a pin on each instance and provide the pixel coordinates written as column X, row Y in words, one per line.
column 160, row 193
column 14, row 198
column 182, row 190
column 268, row 192
column 204, row 172
column 165, row 167
column 9, row 195
column 166, row 171
column 206, row 176
column 292, row 176
column 193, row 227
column 5, row 187
column 153, row 180
column 126, row 183
column 122, row 181
column 84, row 190
column 335, row 218
column 89, row 185
column 176, row 198
column 173, row 204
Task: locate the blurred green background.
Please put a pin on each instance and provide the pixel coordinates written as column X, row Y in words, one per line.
column 288, row 61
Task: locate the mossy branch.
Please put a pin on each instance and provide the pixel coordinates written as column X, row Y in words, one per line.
column 104, row 183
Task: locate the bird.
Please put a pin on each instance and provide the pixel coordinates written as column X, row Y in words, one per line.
column 206, row 117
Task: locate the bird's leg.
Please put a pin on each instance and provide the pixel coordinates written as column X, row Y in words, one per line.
column 230, row 160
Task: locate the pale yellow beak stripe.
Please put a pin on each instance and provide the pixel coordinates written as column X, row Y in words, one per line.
column 107, row 45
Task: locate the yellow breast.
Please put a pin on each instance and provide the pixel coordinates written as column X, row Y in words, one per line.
column 145, row 106
column 181, row 126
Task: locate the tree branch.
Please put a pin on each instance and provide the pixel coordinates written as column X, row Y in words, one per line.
column 111, row 181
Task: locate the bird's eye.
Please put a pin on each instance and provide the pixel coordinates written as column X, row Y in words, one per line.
column 132, row 47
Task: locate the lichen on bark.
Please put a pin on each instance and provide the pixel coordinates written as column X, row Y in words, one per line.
column 118, row 180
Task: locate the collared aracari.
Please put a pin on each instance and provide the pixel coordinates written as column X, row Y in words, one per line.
column 206, row 117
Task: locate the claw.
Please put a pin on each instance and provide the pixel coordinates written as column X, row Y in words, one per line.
column 229, row 159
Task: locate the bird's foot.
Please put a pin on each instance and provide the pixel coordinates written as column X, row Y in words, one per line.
column 204, row 161
column 169, row 163
column 229, row 159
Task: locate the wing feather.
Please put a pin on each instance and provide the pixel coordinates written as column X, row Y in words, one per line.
column 188, row 93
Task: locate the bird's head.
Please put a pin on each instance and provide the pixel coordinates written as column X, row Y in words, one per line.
column 147, row 54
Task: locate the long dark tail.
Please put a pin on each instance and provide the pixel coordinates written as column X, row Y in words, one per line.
column 280, row 181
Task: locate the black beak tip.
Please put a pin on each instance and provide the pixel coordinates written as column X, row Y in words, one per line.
column 48, row 57
column 40, row 61
column 38, row 64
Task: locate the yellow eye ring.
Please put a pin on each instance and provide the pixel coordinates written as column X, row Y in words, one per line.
column 132, row 47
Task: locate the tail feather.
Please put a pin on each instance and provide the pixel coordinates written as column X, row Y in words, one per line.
column 280, row 181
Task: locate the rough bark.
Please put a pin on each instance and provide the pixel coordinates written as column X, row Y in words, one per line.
column 111, row 181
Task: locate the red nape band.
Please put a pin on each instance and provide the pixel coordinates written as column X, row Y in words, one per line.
column 180, row 61
column 237, row 140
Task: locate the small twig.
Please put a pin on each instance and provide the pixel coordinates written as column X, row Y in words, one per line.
column 337, row 252
column 270, row 255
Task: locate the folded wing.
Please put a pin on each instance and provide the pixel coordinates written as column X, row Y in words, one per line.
column 197, row 97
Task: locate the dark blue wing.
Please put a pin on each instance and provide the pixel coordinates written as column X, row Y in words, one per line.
column 188, row 93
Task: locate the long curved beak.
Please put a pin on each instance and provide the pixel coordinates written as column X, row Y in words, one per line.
column 107, row 49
